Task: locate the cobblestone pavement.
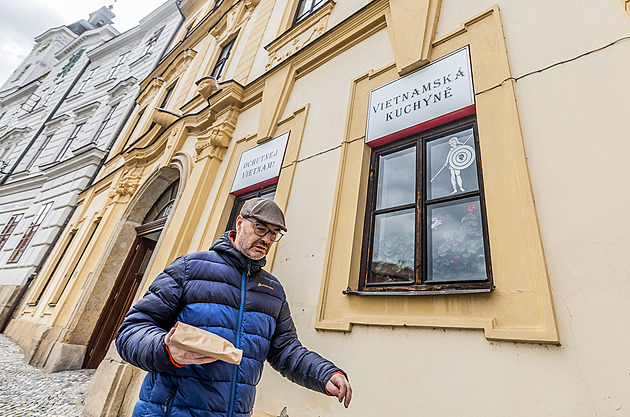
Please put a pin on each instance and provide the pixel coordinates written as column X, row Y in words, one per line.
column 26, row 391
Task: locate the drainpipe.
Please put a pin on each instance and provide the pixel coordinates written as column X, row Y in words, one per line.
column 5, row 178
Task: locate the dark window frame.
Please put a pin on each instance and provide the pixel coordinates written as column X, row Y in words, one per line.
column 420, row 205
column 302, row 12
column 224, row 55
column 8, row 229
column 39, row 151
column 87, row 80
column 157, row 210
column 231, row 224
column 153, row 40
column 105, row 121
column 28, row 235
column 75, row 133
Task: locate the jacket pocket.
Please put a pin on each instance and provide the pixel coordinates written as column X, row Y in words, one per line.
column 169, row 401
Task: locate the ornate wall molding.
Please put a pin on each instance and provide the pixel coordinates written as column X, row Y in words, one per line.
column 179, row 65
column 214, row 142
column 125, row 188
column 298, row 36
column 150, row 91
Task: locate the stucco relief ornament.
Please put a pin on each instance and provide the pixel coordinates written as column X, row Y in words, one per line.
column 207, row 86
column 297, row 43
column 459, row 157
column 125, row 187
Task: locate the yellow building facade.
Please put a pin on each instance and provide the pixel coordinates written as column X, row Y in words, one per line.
column 243, row 73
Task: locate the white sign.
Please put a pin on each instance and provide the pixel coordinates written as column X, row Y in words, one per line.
column 402, row 106
column 260, row 165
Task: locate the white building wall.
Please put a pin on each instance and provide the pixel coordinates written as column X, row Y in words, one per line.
column 61, row 180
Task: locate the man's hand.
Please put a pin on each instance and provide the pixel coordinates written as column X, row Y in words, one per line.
column 186, row 357
column 339, row 386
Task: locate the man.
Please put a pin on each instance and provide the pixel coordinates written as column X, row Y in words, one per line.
column 224, row 291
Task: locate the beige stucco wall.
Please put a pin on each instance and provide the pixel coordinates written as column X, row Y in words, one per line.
column 573, row 119
column 573, row 122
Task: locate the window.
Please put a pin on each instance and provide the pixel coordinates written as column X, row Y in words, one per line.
column 9, row 228
column 152, row 41
column 39, row 152
column 49, row 95
column 167, row 97
column 306, row 8
column 164, row 204
column 12, row 117
column 266, row 192
column 425, row 223
column 104, row 122
column 31, row 103
column 116, row 67
column 21, row 73
column 135, row 126
column 86, row 81
column 30, row 232
column 223, row 57
column 72, row 137
column 5, row 153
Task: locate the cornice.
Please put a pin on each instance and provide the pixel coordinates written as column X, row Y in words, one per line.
column 150, row 89
column 83, row 156
column 86, row 110
column 121, row 87
column 179, row 64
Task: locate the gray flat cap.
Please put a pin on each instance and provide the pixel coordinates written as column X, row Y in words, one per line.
column 264, row 210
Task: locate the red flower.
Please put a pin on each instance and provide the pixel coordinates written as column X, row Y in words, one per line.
column 454, row 244
column 456, row 256
column 472, row 207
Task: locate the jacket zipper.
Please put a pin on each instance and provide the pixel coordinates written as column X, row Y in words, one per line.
column 169, row 401
column 239, row 324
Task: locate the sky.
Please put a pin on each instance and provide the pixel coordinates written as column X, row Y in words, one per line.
column 22, row 20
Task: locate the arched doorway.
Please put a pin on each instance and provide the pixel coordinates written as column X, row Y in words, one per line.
column 130, row 276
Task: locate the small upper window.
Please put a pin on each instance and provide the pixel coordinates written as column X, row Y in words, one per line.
column 9, row 228
column 153, row 40
column 425, row 224
column 164, row 204
column 221, row 61
column 116, row 67
column 21, row 73
column 305, row 8
column 86, row 80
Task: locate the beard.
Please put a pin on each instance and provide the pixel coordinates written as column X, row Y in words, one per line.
column 254, row 250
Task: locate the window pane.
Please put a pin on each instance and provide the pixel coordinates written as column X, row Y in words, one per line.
column 392, row 258
column 451, row 165
column 304, row 8
column 396, row 179
column 455, row 241
column 270, row 195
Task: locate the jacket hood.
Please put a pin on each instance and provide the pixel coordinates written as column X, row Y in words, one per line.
column 235, row 257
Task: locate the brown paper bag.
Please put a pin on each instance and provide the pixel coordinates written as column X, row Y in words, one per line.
column 201, row 341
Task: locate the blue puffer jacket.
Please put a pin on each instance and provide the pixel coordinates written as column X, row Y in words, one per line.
column 228, row 294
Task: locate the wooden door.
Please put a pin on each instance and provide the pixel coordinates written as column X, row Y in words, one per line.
column 119, row 301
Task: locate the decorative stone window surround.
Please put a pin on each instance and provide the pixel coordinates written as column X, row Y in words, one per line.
column 299, row 35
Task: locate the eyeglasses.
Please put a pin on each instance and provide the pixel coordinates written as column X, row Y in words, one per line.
column 262, row 230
